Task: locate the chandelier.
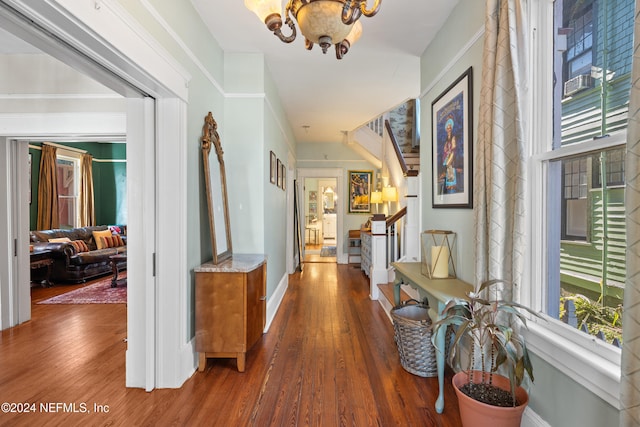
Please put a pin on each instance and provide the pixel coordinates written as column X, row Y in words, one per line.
column 323, row 22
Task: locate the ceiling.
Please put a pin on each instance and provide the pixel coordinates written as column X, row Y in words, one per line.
column 323, row 97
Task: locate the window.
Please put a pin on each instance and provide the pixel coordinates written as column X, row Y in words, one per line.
column 68, row 172
column 577, row 261
column 578, row 21
column 574, row 198
column 584, row 163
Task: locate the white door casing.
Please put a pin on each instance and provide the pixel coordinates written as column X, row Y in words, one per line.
column 114, row 41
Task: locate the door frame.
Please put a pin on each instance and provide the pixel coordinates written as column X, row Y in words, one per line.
column 107, row 43
column 338, row 175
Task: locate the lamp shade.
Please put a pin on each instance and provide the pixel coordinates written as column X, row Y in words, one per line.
column 264, row 8
column 319, row 19
column 376, row 197
column 390, row 194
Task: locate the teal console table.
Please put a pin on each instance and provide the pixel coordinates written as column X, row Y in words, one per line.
column 437, row 290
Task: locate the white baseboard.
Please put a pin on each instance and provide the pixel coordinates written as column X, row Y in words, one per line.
column 532, row 419
column 273, row 304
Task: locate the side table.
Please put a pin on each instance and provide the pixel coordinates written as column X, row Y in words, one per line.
column 118, row 263
column 40, row 260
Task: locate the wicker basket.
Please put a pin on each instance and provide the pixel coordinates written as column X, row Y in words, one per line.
column 412, row 326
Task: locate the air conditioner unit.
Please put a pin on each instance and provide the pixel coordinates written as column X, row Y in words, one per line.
column 578, row 83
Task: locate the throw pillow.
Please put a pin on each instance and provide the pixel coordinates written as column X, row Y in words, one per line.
column 60, row 240
column 112, row 241
column 80, row 246
column 98, row 235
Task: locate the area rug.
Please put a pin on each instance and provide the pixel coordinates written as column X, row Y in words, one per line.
column 328, row 251
column 99, row 293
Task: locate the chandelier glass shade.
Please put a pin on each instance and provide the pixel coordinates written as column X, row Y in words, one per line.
column 321, row 22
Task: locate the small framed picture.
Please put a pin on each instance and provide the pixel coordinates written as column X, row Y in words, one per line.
column 284, row 176
column 279, row 173
column 272, row 169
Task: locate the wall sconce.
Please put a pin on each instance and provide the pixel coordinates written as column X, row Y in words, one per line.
column 376, row 197
column 389, row 194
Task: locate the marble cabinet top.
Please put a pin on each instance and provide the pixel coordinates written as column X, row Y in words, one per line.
column 238, row 263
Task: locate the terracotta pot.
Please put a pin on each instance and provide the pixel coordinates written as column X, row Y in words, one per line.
column 478, row 414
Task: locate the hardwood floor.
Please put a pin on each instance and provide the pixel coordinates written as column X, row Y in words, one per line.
column 328, row 359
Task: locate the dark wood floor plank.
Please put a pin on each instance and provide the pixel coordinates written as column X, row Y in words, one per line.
column 328, row 359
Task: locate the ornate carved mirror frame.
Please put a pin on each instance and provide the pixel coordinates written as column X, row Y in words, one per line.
column 216, row 189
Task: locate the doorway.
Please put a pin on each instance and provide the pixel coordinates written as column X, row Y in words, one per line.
column 155, row 201
column 323, row 214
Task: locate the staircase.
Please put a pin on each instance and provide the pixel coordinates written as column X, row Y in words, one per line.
column 399, row 127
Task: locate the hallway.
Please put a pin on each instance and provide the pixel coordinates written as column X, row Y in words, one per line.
column 329, row 359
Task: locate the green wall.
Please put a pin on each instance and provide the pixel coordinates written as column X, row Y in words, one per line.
column 237, row 90
column 109, row 180
column 555, row 397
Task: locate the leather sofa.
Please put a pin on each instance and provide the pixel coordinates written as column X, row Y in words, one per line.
column 73, row 265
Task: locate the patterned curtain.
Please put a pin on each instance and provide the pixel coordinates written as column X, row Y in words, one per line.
column 630, row 368
column 87, row 209
column 499, row 190
column 48, row 190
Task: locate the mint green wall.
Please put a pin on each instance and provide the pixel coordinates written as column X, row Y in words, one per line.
column 556, row 398
column 337, row 155
column 109, row 181
column 245, row 125
column 255, row 125
column 461, row 28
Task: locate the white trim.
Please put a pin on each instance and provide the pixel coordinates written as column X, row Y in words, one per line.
column 65, row 126
column 531, row 419
column 608, row 141
column 66, row 96
column 581, row 363
column 453, row 62
column 276, row 300
column 109, row 161
column 587, row 360
column 175, row 350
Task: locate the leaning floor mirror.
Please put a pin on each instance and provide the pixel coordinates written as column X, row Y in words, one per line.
column 216, row 189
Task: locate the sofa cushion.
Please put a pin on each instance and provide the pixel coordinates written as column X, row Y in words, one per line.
column 80, row 246
column 60, row 240
column 98, row 235
column 112, row 241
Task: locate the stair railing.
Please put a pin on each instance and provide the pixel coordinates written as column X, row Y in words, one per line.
column 403, row 164
column 395, row 244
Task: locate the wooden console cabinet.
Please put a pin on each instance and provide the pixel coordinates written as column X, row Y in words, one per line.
column 230, row 307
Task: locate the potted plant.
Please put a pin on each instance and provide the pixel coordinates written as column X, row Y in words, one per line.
column 491, row 329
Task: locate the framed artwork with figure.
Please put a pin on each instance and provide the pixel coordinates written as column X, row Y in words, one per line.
column 360, row 191
column 452, row 144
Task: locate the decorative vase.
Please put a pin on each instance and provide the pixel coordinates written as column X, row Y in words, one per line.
column 477, row 414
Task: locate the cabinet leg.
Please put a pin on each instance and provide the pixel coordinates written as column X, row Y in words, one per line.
column 241, row 361
column 202, row 361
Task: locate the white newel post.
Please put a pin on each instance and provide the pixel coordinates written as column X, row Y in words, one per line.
column 379, row 272
column 412, row 224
